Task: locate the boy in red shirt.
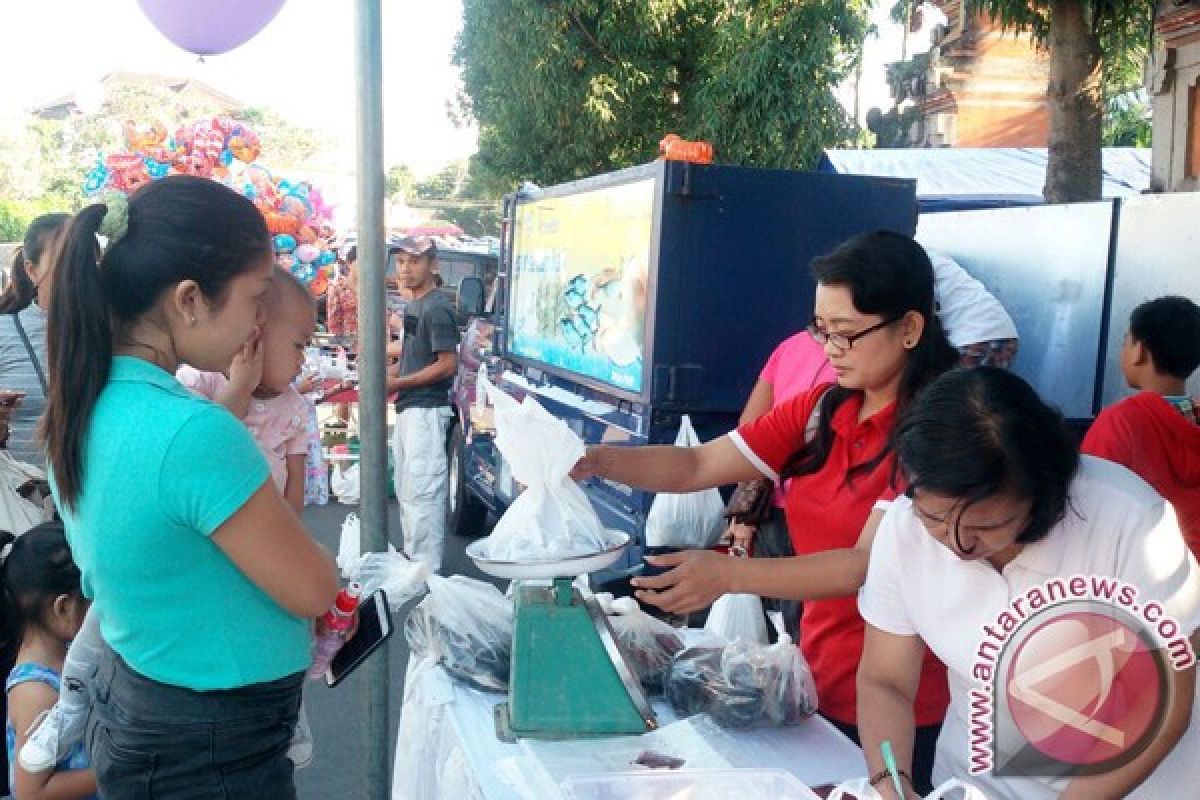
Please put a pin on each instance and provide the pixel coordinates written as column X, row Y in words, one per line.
column 1156, row 433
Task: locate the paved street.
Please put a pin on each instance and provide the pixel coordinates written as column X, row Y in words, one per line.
column 339, row 766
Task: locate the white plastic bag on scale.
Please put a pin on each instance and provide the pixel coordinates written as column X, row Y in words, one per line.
column 552, row 518
column 738, row 616
column 693, row 520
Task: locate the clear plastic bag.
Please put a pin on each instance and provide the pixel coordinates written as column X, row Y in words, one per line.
column 466, row 626
column 349, row 545
column 735, row 617
column 401, row 578
column 345, row 484
column 17, row 514
column 552, row 518
column 691, row 520
column 744, row 684
column 648, row 644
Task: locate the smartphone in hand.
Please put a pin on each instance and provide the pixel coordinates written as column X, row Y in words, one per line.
column 374, row 628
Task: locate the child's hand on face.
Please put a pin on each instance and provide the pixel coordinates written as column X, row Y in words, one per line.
column 245, row 372
column 308, row 383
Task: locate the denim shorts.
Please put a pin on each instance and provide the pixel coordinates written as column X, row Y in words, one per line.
column 151, row 740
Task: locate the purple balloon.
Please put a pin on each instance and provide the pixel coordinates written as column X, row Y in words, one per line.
column 209, row 27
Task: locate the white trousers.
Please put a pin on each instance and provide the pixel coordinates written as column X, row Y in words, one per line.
column 421, row 470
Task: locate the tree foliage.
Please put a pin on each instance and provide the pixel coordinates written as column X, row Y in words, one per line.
column 1094, row 54
column 458, row 199
column 563, row 90
column 43, row 161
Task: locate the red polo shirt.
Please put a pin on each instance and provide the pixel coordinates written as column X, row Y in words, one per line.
column 1148, row 435
column 825, row 511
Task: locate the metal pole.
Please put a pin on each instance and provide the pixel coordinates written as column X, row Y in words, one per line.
column 372, row 260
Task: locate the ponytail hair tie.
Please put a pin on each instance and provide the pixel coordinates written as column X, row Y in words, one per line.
column 115, row 224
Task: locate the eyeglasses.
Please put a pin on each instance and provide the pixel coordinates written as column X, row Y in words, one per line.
column 843, row 341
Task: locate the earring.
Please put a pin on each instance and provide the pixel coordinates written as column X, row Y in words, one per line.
column 193, row 320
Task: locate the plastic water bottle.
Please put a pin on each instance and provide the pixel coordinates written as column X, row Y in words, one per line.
column 336, row 623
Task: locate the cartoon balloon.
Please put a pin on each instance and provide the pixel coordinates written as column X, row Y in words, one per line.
column 210, row 27
column 244, row 145
column 296, row 206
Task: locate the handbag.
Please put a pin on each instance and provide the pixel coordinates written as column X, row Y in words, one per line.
column 752, row 500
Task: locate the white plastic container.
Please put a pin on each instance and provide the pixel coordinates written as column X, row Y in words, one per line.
column 685, row 784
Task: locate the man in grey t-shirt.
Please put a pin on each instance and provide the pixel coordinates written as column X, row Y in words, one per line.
column 427, row 365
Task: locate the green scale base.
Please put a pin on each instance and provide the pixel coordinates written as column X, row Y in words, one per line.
column 567, row 679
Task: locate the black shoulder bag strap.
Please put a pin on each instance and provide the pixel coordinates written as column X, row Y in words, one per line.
column 37, row 365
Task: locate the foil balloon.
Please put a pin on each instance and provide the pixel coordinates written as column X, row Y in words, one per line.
column 156, row 169
column 326, row 258
column 296, row 206
column 96, row 179
column 308, row 253
column 280, row 223
column 320, row 284
column 144, row 137
column 284, row 243
column 244, row 144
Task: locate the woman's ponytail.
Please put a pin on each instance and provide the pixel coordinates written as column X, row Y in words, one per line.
column 39, row 236
column 79, row 352
column 18, row 294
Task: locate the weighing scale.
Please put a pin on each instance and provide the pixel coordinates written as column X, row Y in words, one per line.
column 567, row 678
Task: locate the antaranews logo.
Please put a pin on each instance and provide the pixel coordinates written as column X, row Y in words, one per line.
column 1072, row 679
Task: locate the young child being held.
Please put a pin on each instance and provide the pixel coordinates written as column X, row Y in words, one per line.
column 258, row 390
column 43, row 610
column 1156, row 433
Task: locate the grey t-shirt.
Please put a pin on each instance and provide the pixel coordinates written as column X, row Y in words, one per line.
column 17, row 372
column 430, row 327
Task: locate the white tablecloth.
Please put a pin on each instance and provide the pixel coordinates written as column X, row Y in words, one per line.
column 447, row 747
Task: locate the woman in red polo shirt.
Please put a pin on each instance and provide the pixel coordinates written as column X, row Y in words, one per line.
column 831, row 445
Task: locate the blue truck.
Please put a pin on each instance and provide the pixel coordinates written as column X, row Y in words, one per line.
column 630, row 299
column 627, row 300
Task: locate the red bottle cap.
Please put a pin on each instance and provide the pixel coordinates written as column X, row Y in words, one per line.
column 347, row 598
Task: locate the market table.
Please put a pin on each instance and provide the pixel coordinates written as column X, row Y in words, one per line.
column 447, row 747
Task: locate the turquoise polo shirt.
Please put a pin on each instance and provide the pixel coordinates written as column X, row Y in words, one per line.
column 163, row 469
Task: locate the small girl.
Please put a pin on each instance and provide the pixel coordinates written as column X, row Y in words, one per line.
column 258, row 389
column 43, row 610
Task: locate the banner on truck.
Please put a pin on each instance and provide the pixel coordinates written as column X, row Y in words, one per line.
column 580, row 273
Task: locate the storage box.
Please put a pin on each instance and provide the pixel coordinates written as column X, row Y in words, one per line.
column 685, row 784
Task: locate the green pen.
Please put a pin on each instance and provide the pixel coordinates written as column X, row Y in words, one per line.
column 889, row 761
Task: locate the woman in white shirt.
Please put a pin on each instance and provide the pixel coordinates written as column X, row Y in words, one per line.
column 1006, row 541
column 974, row 320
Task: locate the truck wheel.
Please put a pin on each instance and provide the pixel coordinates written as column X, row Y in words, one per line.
column 466, row 515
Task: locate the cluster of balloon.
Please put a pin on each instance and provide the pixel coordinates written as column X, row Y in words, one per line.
column 299, row 221
column 223, row 150
column 208, row 149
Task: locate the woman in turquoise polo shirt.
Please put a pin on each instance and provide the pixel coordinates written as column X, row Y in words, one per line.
column 204, row 579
